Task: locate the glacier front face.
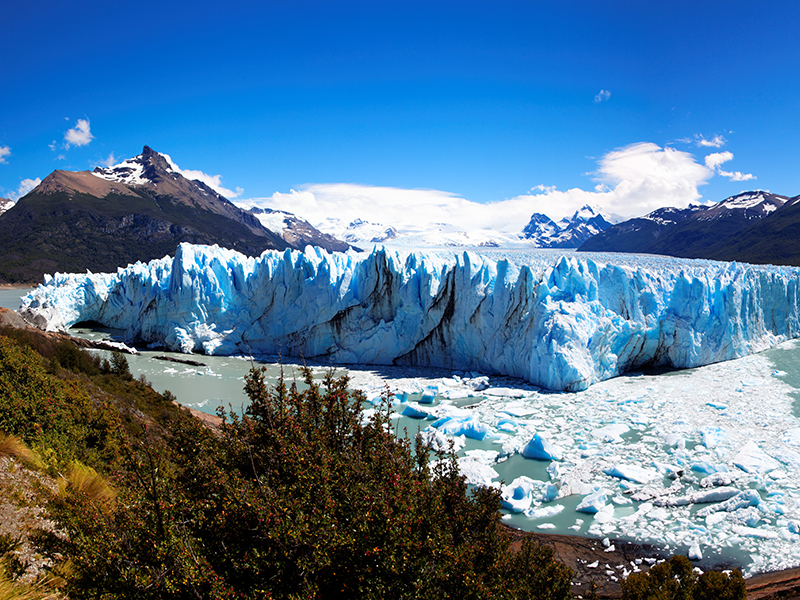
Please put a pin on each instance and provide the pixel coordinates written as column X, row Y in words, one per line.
column 559, row 321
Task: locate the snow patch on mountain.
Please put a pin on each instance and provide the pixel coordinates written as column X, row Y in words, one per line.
column 670, row 215
column 749, row 200
column 274, row 220
column 129, row 172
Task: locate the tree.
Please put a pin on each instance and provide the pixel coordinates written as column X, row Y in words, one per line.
column 119, row 365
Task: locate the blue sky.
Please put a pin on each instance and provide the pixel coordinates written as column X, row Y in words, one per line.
column 629, row 105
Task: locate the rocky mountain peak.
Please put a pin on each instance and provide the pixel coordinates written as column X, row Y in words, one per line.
column 569, row 232
column 149, row 167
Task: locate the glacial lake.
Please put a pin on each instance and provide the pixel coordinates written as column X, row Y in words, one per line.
column 737, row 420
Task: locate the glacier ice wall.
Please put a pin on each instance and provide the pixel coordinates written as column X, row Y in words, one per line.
column 559, row 321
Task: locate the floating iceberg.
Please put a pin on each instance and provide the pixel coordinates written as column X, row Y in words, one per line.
column 562, row 322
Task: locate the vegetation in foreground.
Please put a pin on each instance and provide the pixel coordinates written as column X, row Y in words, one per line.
column 300, row 497
column 676, row 579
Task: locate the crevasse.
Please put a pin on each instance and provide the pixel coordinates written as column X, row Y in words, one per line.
column 561, row 322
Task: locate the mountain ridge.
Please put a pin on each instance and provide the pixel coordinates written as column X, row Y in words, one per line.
column 74, row 221
column 711, row 232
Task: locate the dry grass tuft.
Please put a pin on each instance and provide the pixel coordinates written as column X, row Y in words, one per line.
column 11, row 590
column 87, row 481
column 12, row 446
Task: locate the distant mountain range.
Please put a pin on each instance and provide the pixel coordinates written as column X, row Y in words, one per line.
column 138, row 210
column 756, row 227
column 540, row 232
column 297, row 232
column 359, row 232
column 144, row 207
column 568, row 232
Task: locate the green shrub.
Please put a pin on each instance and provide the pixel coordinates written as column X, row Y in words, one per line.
column 43, row 410
column 299, row 498
column 676, row 579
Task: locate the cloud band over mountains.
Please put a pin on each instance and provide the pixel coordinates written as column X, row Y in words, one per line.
column 631, row 181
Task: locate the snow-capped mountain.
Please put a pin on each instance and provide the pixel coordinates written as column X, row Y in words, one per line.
column 366, row 234
column 569, row 232
column 5, row 204
column 693, row 232
column 138, row 210
column 540, row 232
column 358, row 232
column 296, row 231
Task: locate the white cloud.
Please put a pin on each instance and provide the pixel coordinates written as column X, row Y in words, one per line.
column 632, row 181
column 80, row 135
column 53, row 146
column 602, row 95
column 108, row 162
column 25, row 186
column 642, row 177
column 737, row 175
column 716, row 142
column 714, row 160
column 212, row 181
column 4, row 151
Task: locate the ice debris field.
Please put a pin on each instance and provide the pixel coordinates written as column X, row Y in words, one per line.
column 559, row 322
column 704, row 461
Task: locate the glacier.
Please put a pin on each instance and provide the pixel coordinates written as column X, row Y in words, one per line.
column 558, row 320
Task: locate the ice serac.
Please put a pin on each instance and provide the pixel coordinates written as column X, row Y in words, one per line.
column 561, row 322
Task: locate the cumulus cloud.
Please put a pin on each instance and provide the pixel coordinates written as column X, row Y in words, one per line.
column 80, row 135
column 737, row 175
column 25, row 186
column 212, row 181
column 714, row 160
column 716, row 142
column 643, row 176
column 631, row 181
column 601, row 96
column 4, row 151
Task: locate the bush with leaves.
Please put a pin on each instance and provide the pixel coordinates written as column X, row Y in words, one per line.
column 676, row 579
column 301, row 497
column 56, row 417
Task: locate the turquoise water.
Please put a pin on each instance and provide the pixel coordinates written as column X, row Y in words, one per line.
column 786, row 358
column 10, row 297
column 218, row 383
